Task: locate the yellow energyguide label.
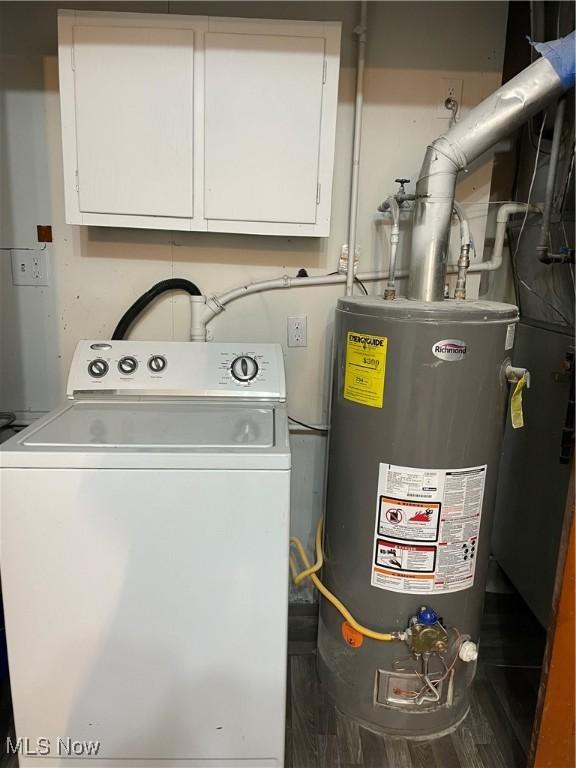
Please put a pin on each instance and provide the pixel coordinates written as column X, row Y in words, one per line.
column 365, row 368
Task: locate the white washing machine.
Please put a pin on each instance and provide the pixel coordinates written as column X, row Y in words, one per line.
column 144, row 558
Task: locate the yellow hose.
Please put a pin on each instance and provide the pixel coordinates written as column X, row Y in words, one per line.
column 310, row 572
column 319, row 556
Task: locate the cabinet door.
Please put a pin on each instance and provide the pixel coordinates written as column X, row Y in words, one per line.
column 265, row 123
column 128, row 112
column 262, row 127
column 144, row 80
column 189, row 122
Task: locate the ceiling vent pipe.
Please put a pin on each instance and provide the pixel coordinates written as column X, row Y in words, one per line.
column 498, row 115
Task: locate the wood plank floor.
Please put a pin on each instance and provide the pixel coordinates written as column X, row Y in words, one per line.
column 496, row 733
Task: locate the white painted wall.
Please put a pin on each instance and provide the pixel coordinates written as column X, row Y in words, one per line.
column 96, row 273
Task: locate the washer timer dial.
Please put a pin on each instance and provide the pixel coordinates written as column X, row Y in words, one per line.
column 244, row 368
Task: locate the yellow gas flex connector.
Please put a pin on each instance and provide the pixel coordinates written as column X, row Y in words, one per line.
column 310, row 572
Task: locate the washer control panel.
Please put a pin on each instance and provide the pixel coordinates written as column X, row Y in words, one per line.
column 174, row 368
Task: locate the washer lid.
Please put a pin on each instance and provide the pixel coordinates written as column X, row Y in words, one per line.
column 156, row 425
column 138, row 433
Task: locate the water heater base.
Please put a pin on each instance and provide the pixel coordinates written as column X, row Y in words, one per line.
column 438, row 723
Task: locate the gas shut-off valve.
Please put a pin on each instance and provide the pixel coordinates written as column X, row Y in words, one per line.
column 426, row 634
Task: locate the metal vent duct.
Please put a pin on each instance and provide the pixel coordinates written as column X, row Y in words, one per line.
column 498, row 115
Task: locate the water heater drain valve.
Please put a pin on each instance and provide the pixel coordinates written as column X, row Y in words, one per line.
column 425, row 633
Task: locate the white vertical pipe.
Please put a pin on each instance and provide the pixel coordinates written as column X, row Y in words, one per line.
column 353, row 217
column 543, row 247
column 390, row 291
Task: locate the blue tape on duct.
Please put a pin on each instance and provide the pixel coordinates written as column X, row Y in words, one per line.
column 561, row 54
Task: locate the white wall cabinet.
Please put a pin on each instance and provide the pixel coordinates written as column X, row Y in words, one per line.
column 198, row 123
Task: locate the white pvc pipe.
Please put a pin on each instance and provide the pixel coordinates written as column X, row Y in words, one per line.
column 215, row 304
column 504, row 213
column 390, row 292
column 464, row 257
column 197, row 321
column 465, row 238
column 209, row 306
column 353, row 216
column 204, row 308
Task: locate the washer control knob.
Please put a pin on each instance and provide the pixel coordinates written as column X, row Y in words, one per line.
column 244, row 368
column 127, row 365
column 157, row 363
column 98, row 368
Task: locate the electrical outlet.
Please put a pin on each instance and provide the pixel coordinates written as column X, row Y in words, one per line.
column 29, row 267
column 297, row 332
column 449, row 88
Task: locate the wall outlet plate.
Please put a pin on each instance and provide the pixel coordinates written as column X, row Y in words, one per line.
column 29, row 267
column 297, row 331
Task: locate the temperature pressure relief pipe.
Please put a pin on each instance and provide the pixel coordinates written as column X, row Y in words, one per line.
column 502, row 216
column 498, row 115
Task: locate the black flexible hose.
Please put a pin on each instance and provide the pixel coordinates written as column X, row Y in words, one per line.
column 173, row 284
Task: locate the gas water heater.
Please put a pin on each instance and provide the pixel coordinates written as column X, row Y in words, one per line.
column 419, row 397
column 419, row 400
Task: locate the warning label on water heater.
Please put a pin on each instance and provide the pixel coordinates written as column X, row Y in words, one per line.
column 427, row 528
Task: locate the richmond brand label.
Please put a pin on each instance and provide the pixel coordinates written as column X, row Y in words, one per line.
column 449, row 349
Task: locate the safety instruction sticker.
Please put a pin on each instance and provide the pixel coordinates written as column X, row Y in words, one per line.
column 365, row 368
column 427, row 528
column 410, row 520
column 405, row 557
